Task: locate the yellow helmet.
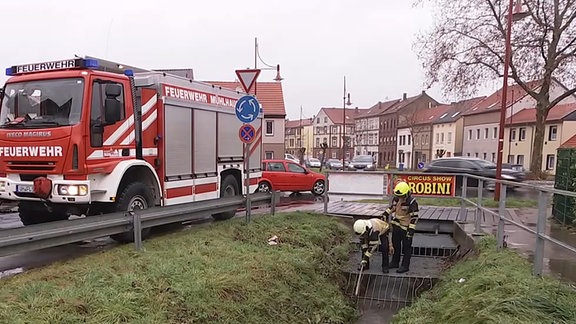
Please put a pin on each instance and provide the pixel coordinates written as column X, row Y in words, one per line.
column 361, row 226
column 401, row 189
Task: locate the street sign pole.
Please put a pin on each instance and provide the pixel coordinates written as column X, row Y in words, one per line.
column 247, row 181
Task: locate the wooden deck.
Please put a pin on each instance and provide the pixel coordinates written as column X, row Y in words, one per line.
column 426, row 212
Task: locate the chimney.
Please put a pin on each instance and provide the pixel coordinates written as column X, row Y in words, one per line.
column 404, row 96
column 423, row 92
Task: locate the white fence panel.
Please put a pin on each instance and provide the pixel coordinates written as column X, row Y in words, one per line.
column 372, row 184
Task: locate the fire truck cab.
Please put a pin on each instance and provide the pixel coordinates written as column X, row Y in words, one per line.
column 90, row 136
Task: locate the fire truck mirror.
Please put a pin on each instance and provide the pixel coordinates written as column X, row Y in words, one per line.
column 113, row 90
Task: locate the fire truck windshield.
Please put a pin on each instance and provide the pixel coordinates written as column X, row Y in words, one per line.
column 42, row 103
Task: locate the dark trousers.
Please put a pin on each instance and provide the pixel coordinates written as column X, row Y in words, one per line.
column 401, row 242
column 382, row 248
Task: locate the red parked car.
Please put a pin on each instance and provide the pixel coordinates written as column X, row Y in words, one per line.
column 285, row 175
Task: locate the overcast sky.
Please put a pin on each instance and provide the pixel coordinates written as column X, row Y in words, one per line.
column 316, row 42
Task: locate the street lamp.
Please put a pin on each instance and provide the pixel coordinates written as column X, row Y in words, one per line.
column 344, row 103
column 514, row 14
column 257, row 57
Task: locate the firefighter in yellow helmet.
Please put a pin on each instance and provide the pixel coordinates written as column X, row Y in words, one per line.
column 374, row 236
column 405, row 209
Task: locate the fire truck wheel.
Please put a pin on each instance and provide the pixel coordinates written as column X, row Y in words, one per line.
column 36, row 213
column 228, row 188
column 134, row 196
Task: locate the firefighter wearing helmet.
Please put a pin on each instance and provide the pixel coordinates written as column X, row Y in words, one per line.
column 404, row 207
column 374, row 236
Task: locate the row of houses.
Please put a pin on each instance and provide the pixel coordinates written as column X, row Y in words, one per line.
column 407, row 131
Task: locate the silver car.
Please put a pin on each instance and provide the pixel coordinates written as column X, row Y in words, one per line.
column 362, row 162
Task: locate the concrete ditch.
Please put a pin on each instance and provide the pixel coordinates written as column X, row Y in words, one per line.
column 380, row 295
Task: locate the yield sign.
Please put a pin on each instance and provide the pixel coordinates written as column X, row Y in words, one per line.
column 247, row 78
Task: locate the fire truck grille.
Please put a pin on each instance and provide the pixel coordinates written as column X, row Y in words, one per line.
column 31, row 165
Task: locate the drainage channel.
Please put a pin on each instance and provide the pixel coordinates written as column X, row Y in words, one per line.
column 381, row 295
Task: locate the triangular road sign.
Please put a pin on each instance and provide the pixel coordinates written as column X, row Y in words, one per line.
column 247, row 78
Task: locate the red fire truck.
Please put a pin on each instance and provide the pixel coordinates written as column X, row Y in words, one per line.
column 90, row 136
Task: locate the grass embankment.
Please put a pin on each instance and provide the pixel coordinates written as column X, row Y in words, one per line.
column 498, row 288
column 224, row 273
column 455, row 202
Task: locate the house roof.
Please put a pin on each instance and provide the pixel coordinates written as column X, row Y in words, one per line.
column 406, row 102
column 493, row 102
column 570, row 143
column 296, row 123
column 336, row 115
column 430, row 115
column 556, row 113
column 378, row 108
column 269, row 94
column 457, row 109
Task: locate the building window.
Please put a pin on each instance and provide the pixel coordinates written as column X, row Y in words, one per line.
column 442, row 138
column 476, row 154
column 437, row 138
column 325, row 120
column 409, row 137
column 291, row 142
column 333, row 155
column 317, row 142
column 467, row 154
column 269, row 127
column 513, row 135
column 495, row 133
column 510, row 158
column 449, row 139
column 520, row 159
column 552, row 133
column 484, row 156
column 269, row 155
column 334, row 141
column 486, row 133
column 493, row 157
column 478, row 133
column 550, row 161
column 318, row 120
column 522, row 134
column 469, row 134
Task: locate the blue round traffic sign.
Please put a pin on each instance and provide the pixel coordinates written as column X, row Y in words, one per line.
column 247, row 133
column 247, row 109
column 420, row 165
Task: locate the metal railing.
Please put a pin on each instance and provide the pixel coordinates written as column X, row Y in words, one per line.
column 373, row 188
column 41, row 236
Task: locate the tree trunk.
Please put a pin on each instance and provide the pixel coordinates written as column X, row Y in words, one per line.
column 538, row 142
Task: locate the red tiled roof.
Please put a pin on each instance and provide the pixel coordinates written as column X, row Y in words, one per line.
column 336, row 115
column 430, row 115
column 570, row 143
column 269, row 94
column 378, row 109
column 458, row 109
column 493, row 102
column 556, row 113
column 296, row 123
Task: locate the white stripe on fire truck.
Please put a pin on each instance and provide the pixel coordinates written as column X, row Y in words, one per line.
column 129, row 122
column 145, row 124
column 99, row 154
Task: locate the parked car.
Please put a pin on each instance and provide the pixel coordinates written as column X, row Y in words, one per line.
column 334, row 164
column 362, row 162
column 312, row 163
column 291, row 157
column 474, row 166
column 284, row 175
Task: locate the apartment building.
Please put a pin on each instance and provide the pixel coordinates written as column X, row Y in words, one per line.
column 367, row 129
column 299, row 136
column 329, row 128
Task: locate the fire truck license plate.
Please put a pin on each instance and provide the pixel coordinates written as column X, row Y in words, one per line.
column 24, row 188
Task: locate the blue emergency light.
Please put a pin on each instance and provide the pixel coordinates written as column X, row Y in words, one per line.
column 77, row 63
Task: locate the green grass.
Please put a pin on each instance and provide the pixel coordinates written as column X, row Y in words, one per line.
column 222, row 273
column 498, row 288
column 455, row 202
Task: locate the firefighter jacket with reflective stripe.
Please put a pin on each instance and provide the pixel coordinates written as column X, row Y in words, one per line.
column 370, row 241
column 405, row 212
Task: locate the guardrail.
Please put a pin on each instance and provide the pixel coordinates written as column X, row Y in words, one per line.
column 375, row 184
column 41, row 236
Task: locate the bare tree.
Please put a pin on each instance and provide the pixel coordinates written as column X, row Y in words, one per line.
column 466, row 47
column 409, row 118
